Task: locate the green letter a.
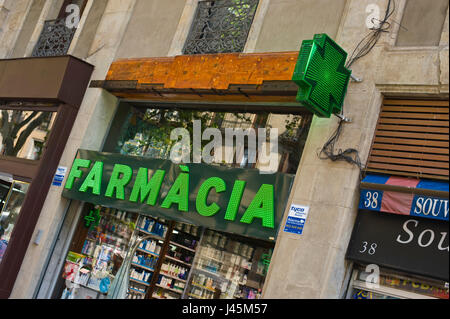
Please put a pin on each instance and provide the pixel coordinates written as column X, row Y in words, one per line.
column 94, row 179
column 178, row 193
column 261, row 207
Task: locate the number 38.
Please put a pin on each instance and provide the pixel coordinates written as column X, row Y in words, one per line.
column 371, row 200
column 371, row 249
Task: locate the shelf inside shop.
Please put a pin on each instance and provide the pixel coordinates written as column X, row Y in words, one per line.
column 247, row 284
column 221, row 277
column 139, row 281
column 203, row 287
column 179, row 261
column 147, row 252
column 229, row 264
column 156, row 236
column 185, row 232
column 257, row 273
column 196, row 296
column 86, row 286
column 170, row 276
column 143, row 267
column 181, row 246
column 225, row 249
column 137, row 291
column 170, row 289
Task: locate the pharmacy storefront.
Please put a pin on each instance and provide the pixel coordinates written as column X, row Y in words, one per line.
column 203, row 229
column 155, row 229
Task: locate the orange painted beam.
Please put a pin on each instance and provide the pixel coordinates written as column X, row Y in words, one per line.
column 206, row 71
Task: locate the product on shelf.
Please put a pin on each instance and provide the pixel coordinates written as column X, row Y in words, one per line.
column 171, row 260
column 141, row 275
column 152, row 226
column 174, row 270
column 101, row 254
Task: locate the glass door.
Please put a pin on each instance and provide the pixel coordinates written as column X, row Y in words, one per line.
column 10, row 209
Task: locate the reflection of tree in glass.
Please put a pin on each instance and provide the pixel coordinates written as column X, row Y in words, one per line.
column 294, row 137
column 15, row 128
column 147, row 133
column 12, row 209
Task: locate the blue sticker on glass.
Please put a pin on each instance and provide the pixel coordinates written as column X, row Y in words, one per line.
column 104, row 285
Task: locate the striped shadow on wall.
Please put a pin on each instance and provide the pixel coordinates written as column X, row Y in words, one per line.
column 412, row 139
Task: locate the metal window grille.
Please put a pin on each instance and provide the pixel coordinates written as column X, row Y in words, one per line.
column 220, row 26
column 55, row 39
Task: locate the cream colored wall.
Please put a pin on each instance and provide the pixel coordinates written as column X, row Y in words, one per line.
column 151, row 29
column 27, row 28
column 288, row 22
column 13, row 14
column 420, row 22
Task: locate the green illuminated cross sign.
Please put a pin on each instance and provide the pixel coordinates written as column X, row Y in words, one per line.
column 266, row 261
column 321, row 76
column 93, row 218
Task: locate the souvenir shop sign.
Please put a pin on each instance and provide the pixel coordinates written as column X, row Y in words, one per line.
column 410, row 201
column 235, row 200
column 410, row 244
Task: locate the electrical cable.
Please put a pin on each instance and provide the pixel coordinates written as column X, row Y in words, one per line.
column 371, row 39
column 363, row 48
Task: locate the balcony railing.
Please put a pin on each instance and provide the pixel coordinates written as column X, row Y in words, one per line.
column 220, row 26
column 55, row 39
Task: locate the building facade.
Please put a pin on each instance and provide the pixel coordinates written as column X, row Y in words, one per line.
column 179, row 56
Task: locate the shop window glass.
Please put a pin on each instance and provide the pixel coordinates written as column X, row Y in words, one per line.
column 364, row 294
column 4, row 190
column 10, row 212
column 147, row 132
column 97, row 255
column 22, row 133
column 229, row 267
column 395, row 286
column 124, row 255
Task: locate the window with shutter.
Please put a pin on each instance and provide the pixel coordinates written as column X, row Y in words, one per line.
column 411, row 139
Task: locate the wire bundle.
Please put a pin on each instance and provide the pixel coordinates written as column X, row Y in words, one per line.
column 349, row 155
column 363, row 48
column 370, row 40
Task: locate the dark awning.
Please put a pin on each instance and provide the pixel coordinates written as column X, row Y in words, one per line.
column 61, row 79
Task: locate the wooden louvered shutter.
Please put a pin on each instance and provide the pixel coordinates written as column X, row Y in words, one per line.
column 411, row 139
